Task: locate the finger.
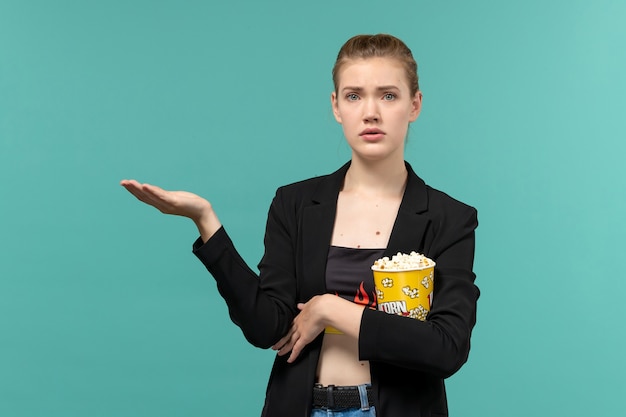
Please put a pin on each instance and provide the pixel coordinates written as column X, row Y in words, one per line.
column 288, row 347
column 151, row 195
column 167, row 201
column 142, row 196
column 301, row 306
column 136, row 190
column 285, row 350
column 154, row 190
column 132, row 186
column 278, row 345
column 301, row 341
column 295, row 351
column 126, row 182
column 129, row 184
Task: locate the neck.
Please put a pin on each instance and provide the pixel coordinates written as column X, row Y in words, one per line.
column 383, row 178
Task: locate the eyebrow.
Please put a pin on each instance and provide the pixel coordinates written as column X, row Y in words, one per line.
column 381, row 88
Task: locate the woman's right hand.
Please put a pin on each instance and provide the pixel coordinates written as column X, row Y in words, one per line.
column 180, row 203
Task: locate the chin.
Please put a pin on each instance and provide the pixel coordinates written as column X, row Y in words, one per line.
column 372, row 153
column 372, row 156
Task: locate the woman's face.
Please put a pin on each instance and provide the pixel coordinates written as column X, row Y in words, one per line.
column 374, row 105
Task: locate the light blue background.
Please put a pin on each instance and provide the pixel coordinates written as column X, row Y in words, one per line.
column 104, row 311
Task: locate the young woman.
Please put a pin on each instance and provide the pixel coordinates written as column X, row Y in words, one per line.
column 314, row 300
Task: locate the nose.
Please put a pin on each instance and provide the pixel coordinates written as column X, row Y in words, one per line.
column 371, row 112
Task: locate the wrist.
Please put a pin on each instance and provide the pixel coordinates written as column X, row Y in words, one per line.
column 342, row 315
column 327, row 309
column 207, row 223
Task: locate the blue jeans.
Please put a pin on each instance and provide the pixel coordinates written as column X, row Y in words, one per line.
column 364, row 411
column 347, row 412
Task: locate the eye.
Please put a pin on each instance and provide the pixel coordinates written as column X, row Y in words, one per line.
column 389, row 96
column 352, row 97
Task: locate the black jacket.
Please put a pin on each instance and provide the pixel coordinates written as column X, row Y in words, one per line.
column 408, row 358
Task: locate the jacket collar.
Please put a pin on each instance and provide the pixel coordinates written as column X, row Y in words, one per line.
column 318, row 220
column 414, row 200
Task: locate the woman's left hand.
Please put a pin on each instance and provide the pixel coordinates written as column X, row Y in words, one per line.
column 305, row 328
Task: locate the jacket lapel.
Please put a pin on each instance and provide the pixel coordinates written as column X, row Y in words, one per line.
column 318, row 220
column 411, row 224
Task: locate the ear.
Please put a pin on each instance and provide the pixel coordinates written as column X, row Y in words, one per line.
column 335, row 106
column 416, row 106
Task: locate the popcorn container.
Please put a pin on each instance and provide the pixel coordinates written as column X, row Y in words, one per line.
column 406, row 293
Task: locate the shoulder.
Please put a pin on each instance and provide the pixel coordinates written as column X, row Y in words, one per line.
column 314, row 190
column 299, row 193
column 448, row 214
column 424, row 199
column 444, row 212
column 442, row 202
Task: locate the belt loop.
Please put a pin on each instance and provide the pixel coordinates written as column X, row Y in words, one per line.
column 330, row 397
column 365, row 404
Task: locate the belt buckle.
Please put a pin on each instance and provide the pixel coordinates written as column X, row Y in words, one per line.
column 330, row 397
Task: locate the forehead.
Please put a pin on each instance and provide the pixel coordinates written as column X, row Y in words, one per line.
column 372, row 72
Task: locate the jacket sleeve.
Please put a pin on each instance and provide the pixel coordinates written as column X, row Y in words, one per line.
column 263, row 305
column 440, row 345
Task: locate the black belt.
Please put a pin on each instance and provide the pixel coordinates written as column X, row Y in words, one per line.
column 332, row 397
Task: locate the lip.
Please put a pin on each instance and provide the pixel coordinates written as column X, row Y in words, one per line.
column 371, row 131
column 372, row 134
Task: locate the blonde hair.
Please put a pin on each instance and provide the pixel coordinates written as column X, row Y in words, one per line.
column 377, row 46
